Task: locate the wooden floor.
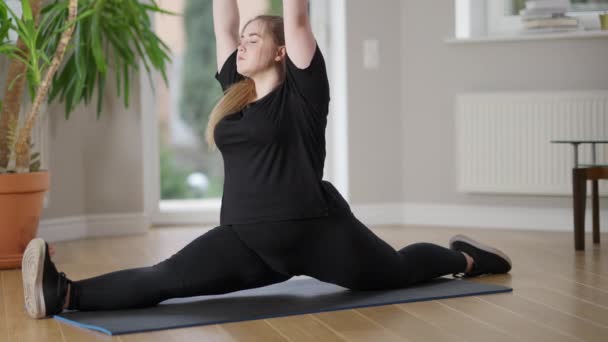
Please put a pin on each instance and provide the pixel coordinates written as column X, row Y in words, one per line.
column 559, row 295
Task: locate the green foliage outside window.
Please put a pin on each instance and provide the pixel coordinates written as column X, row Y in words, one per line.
column 200, row 91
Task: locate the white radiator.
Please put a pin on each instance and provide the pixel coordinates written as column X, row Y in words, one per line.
column 503, row 140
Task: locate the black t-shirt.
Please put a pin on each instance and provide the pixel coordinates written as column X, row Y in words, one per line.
column 274, row 149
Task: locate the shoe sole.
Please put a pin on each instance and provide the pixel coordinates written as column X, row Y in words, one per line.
column 477, row 244
column 31, row 269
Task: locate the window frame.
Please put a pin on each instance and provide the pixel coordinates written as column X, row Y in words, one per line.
column 497, row 22
column 330, row 35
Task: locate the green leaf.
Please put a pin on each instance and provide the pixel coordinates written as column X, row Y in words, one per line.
column 5, row 24
column 12, row 84
column 27, row 10
column 52, row 13
column 115, row 34
column 96, row 44
column 100, row 91
column 155, row 8
column 69, row 97
column 35, row 166
column 126, row 89
column 32, row 84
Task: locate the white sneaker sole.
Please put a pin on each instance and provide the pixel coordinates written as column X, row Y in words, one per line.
column 32, row 266
column 479, row 245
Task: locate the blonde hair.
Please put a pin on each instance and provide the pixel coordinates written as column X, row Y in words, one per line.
column 239, row 94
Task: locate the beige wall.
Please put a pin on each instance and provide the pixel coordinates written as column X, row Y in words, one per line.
column 433, row 72
column 374, row 112
column 401, row 127
column 96, row 165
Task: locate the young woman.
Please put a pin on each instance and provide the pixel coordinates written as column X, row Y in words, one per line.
column 278, row 217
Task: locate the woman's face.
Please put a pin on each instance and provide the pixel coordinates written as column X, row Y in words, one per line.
column 256, row 51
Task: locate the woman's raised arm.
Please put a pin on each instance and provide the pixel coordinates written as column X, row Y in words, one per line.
column 299, row 39
column 226, row 22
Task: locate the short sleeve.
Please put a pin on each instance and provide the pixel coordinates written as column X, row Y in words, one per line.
column 311, row 83
column 228, row 75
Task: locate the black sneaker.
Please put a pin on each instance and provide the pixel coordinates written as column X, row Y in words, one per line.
column 44, row 288
column 486, row 259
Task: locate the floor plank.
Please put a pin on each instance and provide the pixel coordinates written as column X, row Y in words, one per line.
column 516, row 325
column 352, row 326
column 559, row 254
column 571, row 297
column 303, row 328
column 407, row 325
column 256, row 331
column 568, row 304
column 522, row 276
column 455, row 322
column 543, row 314
column 20, row 326
column 212, row 333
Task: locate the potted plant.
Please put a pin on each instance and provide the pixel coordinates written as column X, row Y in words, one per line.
column 64, row 49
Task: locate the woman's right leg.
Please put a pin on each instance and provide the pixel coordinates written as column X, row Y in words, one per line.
column 361, row 260
column 216, row 262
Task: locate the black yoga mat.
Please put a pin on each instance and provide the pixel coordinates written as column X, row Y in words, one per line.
column 293, row 297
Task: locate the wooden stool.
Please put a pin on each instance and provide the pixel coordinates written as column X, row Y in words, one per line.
column 580, row 176
column 581, row 173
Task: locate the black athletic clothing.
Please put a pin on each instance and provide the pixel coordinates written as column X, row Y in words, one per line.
column 274, row 150
column 337, row 249
column 279, row 219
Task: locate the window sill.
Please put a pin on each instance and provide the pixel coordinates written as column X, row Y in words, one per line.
column 187, row 212
column 175, row 206
column 528, row 36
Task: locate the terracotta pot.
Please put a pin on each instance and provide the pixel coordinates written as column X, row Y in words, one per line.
column 21, row 201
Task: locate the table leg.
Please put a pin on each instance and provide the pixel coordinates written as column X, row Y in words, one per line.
column 575, row 146
column 596, row 212
column 579, row 195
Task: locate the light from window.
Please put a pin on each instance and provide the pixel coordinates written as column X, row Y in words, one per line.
column 512, row 7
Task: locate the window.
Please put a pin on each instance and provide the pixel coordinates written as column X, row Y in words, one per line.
column 188, row 171
column 512, row 7
column 503, row 15
column 183, row 182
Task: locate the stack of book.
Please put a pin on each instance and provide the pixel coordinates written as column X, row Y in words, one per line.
column 548, row 16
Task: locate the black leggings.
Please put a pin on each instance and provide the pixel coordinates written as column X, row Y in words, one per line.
column 338, row 249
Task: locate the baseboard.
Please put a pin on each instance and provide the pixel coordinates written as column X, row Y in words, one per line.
column 549, row 219
column 81, row 227
column 462, row 216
